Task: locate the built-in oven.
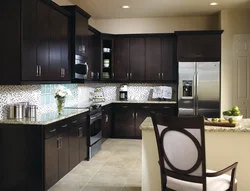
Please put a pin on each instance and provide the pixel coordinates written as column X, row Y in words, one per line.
column 95, row 133
column 80, row 68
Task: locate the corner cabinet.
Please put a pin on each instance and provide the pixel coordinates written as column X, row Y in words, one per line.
column 36, row 45
column 199, row 45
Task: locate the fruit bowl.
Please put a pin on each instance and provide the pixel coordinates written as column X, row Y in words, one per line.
column 235, row 118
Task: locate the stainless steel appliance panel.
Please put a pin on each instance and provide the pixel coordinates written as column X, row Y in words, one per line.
column 186, row 90
column 208, row 89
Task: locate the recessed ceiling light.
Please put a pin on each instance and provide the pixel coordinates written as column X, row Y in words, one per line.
column 125, row 7
column 213, row 3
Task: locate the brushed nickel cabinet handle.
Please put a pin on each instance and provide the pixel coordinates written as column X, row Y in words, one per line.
column 74, row 122
column 127, row 75
column 130, row 75
column 64, row 126
column 162, row 75
column 136, row 115
column 40, row 70
column 61, row 143
column 107, row 119
column 52, row 131
column 37, row 70
column 58, row 142
column 113, row 75
column 159, row 75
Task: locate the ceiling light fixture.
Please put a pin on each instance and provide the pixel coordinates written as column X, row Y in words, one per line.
column 213, row 3
column 125, row 7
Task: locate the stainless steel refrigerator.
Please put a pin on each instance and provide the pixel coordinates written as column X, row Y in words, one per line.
column 199, row 89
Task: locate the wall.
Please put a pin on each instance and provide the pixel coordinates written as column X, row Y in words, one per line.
column 232, row 22
column 155, row 25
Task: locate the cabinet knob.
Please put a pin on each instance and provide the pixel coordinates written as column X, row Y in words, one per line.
column 40, row 70
column 37, row 70
column 130, row 75
column 162, row 75
column 107, row 118
column 98, row 75
column 113, row 75
column 159, row 76
column 127, row 75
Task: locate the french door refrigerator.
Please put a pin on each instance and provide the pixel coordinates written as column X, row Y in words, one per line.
column 199, row 89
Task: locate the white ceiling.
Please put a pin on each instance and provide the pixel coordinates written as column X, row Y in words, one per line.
column 110, row 9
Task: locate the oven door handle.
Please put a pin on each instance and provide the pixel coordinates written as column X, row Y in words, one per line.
column 95, row 117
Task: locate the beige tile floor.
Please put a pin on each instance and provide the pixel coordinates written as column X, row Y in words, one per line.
column 117, row 167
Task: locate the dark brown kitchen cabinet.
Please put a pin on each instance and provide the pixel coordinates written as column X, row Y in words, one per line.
column 199, row 45
column 63, row 155
column 94, row 54
column 51, row 161
column 137, row 59
column 129, row 117
column 124, row 121
column 74, row 151
column 83, row 140
column 121, row 63
column 106, row 122
column 153, row 58
column 169, row 66
column 31, row 35
column 79, row 38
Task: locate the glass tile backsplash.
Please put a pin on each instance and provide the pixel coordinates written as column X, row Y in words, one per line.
column 47, row 93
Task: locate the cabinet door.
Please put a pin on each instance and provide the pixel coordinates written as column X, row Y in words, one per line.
column 81, row 43
column 124, row 122
column 43, row 32
column 51, row 162
column 121, row 64
column 65, row 36
column 166, row 110
column 55, row 45
column 153, row 59
column 199, row 47
column 137, row 59
column 141, row 114
column 63, row 155
column 169, row 66
column 91, row 55
column 83, row 140
column 30, row 24
column 107, row 122
column 73, row 147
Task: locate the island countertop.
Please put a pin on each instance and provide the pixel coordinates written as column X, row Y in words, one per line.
column 243, row 126
column 45, row 118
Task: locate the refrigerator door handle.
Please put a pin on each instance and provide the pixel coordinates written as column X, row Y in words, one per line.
column 197, row 94
column 194, row 93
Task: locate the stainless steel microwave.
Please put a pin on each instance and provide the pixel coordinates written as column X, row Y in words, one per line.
column 80, row 68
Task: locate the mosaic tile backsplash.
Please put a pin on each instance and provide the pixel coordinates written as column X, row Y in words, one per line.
column 43, row 97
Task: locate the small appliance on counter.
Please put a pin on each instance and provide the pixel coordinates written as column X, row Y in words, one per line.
column 123, row 92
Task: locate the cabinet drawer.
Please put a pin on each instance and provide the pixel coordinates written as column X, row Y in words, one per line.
column 78, row 119
column 50, row 131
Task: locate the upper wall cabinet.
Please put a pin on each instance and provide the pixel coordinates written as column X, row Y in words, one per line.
column 94, row 54
column 199, row 45
column 145, row 59
column 34, row 47
column 79, row 42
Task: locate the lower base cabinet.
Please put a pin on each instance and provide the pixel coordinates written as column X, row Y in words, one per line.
column 129, row 117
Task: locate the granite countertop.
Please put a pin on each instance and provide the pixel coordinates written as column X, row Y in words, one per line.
column 45, row 118
column 244, row 126
column 139, row 102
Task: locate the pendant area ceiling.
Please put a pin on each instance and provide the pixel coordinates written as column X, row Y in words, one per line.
column 111, row 9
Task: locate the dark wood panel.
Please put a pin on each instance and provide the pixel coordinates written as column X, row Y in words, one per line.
column 51, row 162
column 141, row 115
column 65, row 43
column 73, row 147
column 10, row 56
column 55, row 52
column 169, row 66
column 29, row 45
column 124, row 122
column 200, row 47
column 153, row 59
column 83, row 141
column 107, row 122
column 137, row 58
column 63, row 156
column 43, row 33
column 121, row 61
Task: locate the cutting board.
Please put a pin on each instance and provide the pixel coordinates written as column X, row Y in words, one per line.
column 221, row 124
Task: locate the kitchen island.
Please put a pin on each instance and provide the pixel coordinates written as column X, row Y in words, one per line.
column 224, row 146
